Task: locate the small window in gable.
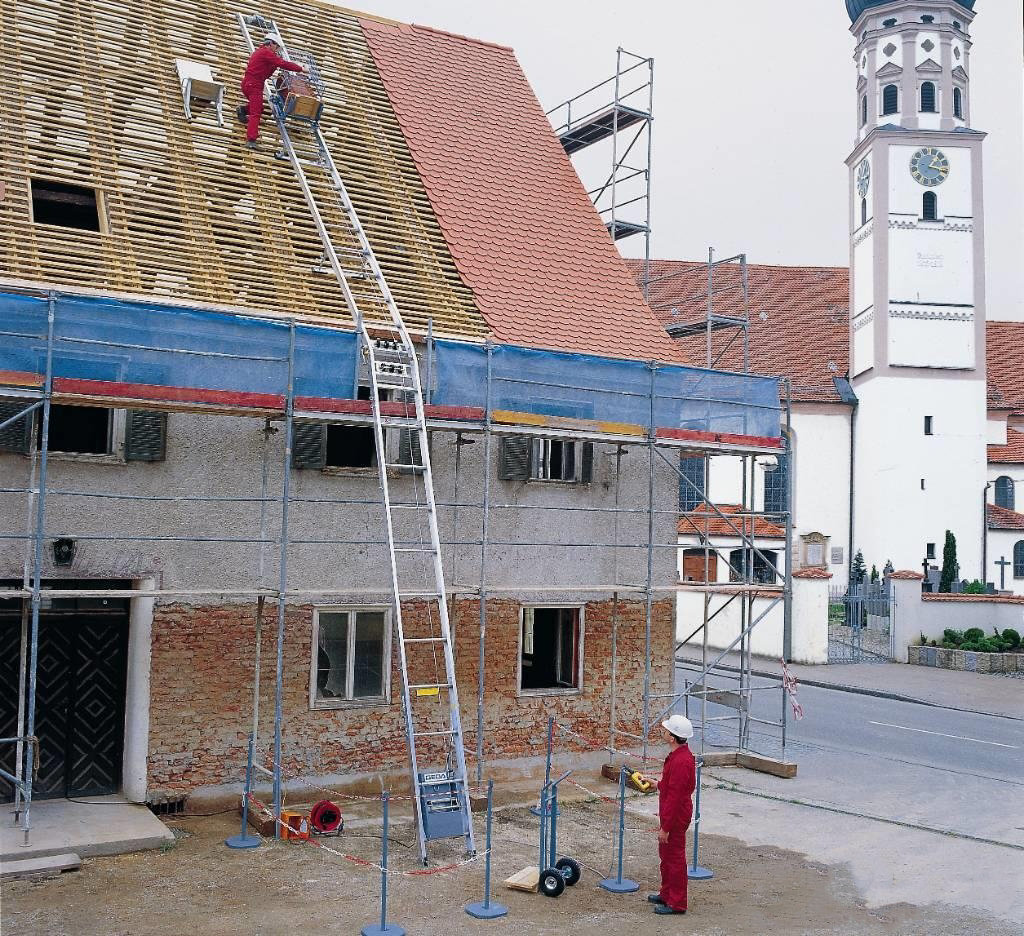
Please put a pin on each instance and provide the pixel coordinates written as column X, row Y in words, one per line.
column 890, row 99
column 928, row 97
column 930, row 207
column 65, row 205
column 958, row 104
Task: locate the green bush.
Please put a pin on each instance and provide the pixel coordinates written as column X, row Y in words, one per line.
column 951, row 636
column 973, row 634
column 973, row 646
column 976, row 587
column 1011, row 638
column 990, row 645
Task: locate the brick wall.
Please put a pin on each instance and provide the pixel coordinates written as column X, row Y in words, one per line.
column 202, row 682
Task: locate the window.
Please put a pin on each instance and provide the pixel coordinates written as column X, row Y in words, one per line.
column 59, row 203
column 693, row 484
column 890, row 99
column 746, row 565
column 527, row 459
column 352, row 656
column 1005, row 493
column 889, row 23
column 929, row 207
column 776, row 483
column 1018, row 559
column 90, row 431
column 929, row 551
column 79, row 430
column 551, row 652
column 922, row 484
column 863, row 110
column 958, row 103
column 928, row 425
column 863, row 211
column 700, row 565
column 928, row 97
column 927, row 19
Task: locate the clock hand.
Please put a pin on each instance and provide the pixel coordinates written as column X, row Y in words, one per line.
column 935, row 164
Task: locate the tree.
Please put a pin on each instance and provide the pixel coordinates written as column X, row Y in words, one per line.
column 950, row 567
column 859, row 570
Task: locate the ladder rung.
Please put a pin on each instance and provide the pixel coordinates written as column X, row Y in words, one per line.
column 433, row 686
column 410, row 506
column 434, row 734
column 412, row 549
column 423, row 640
column 419, row 594
column 397, row 422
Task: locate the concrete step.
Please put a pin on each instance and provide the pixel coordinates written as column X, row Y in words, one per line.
column 46, row 866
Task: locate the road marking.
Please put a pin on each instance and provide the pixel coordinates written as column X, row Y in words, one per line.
column 941, row 735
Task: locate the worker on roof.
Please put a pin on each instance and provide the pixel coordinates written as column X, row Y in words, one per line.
column 263, row 62
column 675, row 810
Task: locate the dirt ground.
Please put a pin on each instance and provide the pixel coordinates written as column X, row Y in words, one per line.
column 200, row 888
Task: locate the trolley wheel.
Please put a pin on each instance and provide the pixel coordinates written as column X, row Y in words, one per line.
column 551, row 883
column 571, row 870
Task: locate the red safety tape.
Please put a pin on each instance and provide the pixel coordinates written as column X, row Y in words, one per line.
column 789, row 684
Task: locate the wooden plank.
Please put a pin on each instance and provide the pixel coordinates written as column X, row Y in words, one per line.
column 526, row 880
column 719, row 759
column 46, row 866
column 766, row 765
column 724, row 697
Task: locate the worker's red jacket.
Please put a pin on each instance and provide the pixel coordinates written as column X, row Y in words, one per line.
column 675, row 790
column 262, row 64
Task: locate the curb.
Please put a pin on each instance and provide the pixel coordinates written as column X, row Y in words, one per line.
column 858, row 690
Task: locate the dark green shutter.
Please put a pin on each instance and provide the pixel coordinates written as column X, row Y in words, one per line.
column 514, row 460
column 17, row 436
column 308, row 445
column 145, row 436
column 587, row 463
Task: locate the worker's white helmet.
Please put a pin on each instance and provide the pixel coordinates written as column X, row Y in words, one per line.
column 678, row 725
column 272, row 40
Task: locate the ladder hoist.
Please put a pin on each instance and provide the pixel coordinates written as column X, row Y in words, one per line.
column 388, row 363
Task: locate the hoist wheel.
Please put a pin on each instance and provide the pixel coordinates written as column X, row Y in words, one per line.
column 571, row 870
column 552, row 883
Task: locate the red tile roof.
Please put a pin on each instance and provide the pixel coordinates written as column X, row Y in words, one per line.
column 524, row 235
column 703, row 522
column 907, row 575
column 1005, row 360
column 798, row 318
column 813, row 572
column 1013, row 451
column 1001, row 518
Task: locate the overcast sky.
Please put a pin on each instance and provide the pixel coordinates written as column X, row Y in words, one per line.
column 754, row 115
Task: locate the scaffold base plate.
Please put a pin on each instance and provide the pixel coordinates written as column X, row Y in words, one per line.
column 615, row 886
column 491, row 912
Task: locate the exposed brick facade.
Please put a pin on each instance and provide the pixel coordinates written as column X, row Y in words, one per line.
column 202, row 678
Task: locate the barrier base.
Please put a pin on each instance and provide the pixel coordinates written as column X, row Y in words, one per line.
column 616, row 886
column 243, row 840
column 388, row 929
column 490, row 912
column 697, row 873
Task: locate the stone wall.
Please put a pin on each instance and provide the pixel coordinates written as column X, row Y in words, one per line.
column 202, row 681
column 966, row 660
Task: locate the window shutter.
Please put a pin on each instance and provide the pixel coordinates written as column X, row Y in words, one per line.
column 587, row 463
column 16, row 437
column 514, row 461
column 928, row 97
column 145, row 436
column 308, row 444
column 409, row 451
column 890, row 99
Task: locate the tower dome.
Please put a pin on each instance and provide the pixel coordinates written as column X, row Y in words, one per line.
column 856, row 7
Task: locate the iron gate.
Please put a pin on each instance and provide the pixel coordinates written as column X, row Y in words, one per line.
column 860, row 624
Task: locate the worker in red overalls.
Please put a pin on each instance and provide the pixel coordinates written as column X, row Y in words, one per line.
column 264, row 61
column 675, row 810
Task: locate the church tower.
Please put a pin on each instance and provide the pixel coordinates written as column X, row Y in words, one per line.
column 917, row 285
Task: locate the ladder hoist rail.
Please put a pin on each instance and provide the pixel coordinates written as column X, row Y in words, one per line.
column 441, row 797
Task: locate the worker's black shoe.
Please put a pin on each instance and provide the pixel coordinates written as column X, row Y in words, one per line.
column 242, row 113
column 665, row 910
column 655, row 899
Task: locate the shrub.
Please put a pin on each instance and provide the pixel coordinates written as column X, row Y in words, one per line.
column 976, row 587
column 973, row 646
column 990, row 645
column 974, row 634
column 1011, row 638
column 952, row 636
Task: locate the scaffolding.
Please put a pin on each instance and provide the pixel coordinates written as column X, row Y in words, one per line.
column 623, row 197
column 60, row 346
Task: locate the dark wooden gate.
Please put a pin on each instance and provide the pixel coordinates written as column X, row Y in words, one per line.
column 80, row 697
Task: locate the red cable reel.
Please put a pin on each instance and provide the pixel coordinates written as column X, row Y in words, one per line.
column 325, row 818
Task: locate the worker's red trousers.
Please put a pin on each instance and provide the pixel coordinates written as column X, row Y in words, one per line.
column 673, row 870
column 254, row 95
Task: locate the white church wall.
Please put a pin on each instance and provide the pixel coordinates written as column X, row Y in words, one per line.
column 821, row 478
column 938, row 253
column 996, row 431
column 863, row 342
column 894, row 456
column 922, row 54
column 923, row 337
column 725, row 479
column 863, row 270
column 1001, row 544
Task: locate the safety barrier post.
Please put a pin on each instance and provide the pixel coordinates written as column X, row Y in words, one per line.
column 538, row 810
column 244, row 839
column 695, row 872
column 486, row 910
column 383, row 928
column 619, row 884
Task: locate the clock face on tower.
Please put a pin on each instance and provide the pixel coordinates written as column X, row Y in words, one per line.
column 929, row 166
column 863, row 178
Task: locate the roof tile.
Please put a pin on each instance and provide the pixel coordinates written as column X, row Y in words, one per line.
column 1002, row 518
column 1012, row 452
column 704, row 522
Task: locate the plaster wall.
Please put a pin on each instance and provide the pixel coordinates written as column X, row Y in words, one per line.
column 895, row 518
column 863, row 342
column 996, row 435
column 863, row 268
column 1001, row 544
column 931, row 262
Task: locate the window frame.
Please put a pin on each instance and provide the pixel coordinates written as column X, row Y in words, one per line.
column 770, row 555
column 537, row 459
column 102, row 217
column 886, row 112
column 929, row 550
column 929, row 425
column 864, row 110
column 934, row 109
column 316, row 704
column 999, row 492
column 929, row 206
column 1018, row 559
column 581, row 649
column 116, row 433
column 958, row 102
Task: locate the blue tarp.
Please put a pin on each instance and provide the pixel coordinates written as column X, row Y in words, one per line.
column 166, row 346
